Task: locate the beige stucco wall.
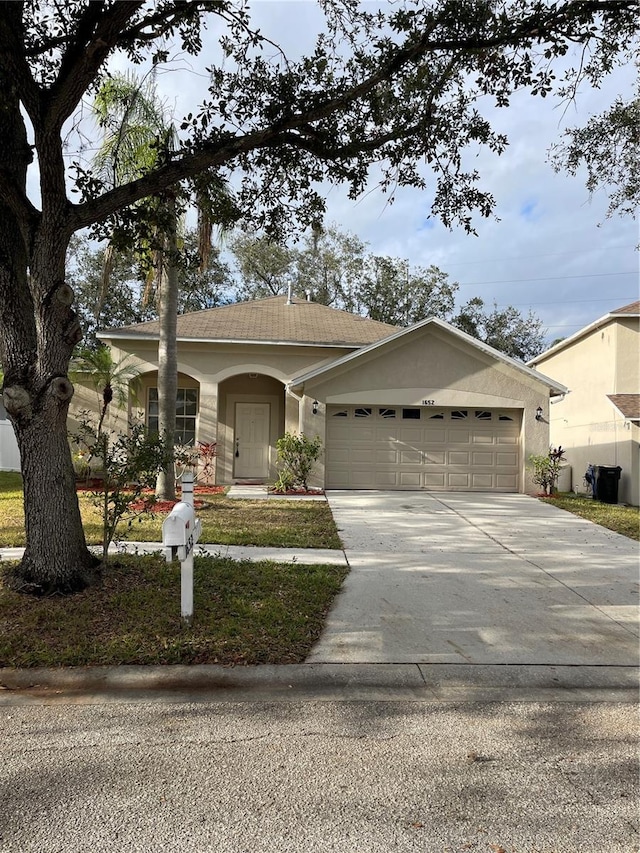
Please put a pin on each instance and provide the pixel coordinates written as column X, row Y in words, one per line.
column 453, row 373
column 226, row 374
column 592, row 431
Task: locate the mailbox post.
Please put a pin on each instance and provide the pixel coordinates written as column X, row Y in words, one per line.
column 180, row 532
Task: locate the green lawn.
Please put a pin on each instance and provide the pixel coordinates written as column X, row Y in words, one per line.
column 244, row 613
column 621, row 519
column 225, row 521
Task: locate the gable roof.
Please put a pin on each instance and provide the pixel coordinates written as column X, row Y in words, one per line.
column 630, row 310
column 627, row 404
column 270, row 320
column 554, row 387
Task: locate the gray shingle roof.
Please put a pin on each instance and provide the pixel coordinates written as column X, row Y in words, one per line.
column 269, row 319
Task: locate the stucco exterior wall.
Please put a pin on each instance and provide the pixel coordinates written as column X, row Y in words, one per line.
column 227, row 374
column 453, row 373
column 585, row 422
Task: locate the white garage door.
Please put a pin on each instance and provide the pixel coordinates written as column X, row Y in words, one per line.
column 378, row 447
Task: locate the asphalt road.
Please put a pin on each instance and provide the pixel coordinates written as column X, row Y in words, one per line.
column 356, row 776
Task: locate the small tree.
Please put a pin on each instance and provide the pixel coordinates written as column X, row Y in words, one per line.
column 130, row 463
column 546, row 469
column 297, row 454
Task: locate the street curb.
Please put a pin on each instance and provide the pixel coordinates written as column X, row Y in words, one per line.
column 320, row 682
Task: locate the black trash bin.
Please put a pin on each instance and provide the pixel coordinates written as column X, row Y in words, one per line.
column 607, row 478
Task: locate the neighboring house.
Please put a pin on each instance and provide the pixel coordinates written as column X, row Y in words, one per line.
column 427, row 407
column 9, row 453
column 598, row 421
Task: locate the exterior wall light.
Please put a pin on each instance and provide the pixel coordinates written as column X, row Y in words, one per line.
column 315, row 407
column 539, row 413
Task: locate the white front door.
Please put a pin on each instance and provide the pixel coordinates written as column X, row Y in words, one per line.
column 251, row 444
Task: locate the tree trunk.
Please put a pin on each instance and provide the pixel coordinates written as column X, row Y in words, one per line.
column 56, row 558
column 167, row 351
column 38, row 331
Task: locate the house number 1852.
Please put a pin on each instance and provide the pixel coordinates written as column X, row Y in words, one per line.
column 428, row 402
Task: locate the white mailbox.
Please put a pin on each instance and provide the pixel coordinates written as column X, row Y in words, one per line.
column 180, row 531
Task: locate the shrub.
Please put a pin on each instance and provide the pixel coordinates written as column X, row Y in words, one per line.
column 297, row 454
column 546, row 469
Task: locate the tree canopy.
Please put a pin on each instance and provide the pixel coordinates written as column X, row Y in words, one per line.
column 608, row 146
column 505, row 329
column 398, row 85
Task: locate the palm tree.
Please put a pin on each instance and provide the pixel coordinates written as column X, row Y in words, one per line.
column 137, row 135
column 111, row 379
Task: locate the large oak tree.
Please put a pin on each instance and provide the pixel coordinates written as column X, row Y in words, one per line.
column 399, row 85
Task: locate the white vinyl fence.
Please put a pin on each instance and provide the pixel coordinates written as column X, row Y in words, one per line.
column 9, row 453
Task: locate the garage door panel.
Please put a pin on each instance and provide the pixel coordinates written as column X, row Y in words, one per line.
column 337, row 455
column 372, row 450
column 435, row 436
column 410, row 479
column 363, row 478
column 483, row 438
column 459, row 481
column 386, row 479
column 455, row 436
column 434, row 480
column 481, row 458
column 485, row 482
column 338, row 432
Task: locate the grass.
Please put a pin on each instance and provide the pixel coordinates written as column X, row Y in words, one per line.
column 621, row 519
column 225, row 521
column 244, row 613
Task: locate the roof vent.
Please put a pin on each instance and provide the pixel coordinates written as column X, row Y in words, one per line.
column 308, row 293
column 290, row 294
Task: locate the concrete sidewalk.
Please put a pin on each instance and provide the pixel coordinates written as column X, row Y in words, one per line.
column 318, row 556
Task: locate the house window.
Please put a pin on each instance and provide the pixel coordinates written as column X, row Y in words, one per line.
column 439, row 416
column 411, row 414
column 186, row 412
column 341, row 414
column 459, row 415
column 505, row 418
column 362, row 413
column 387, row 413
column 483, row 416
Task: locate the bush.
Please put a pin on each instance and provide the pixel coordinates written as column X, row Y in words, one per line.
column 297, row 454
column 546, row 469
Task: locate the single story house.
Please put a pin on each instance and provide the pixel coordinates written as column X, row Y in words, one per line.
column 598, row 422
column 424, row 407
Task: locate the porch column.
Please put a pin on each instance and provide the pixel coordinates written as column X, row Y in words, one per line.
column 208, row 415
column 292, row 412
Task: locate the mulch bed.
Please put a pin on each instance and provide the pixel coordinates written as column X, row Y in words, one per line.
column 298, row 492
column 155, row 506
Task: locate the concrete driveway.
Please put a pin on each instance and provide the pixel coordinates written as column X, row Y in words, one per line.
column 480, row 579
